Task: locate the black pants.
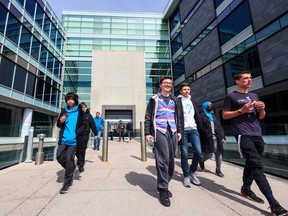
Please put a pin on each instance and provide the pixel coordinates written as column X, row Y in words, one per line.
column 164, row 150
column 66, row 156
column 81, row 149
column 252, row 148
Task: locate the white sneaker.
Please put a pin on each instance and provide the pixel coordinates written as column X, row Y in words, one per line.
column 194, row 179
column 186, row 182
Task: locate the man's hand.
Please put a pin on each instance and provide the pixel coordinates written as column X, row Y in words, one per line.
column 179, row 136
column 223, row 141
column 95, row 137
column 148, row 138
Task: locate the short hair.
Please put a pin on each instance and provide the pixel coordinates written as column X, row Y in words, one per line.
column 73, row 96
column 184, row 85
column 165, row 77
column 83, row 104
column 238, row 75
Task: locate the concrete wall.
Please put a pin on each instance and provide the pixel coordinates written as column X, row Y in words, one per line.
column 118, row 80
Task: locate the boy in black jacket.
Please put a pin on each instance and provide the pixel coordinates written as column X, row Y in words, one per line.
column 82, row 145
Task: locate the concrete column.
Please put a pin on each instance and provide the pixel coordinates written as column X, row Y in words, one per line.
column 27, row 120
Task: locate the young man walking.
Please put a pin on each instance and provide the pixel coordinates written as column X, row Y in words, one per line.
column 99, row 122
column 89, row 124
column 245, row 112
column 70, row 121
column 163, row 127
column 191, row 126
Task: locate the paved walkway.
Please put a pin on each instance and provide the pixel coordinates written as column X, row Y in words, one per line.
column 126, row 186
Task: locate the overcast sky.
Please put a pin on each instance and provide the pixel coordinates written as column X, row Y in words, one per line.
column 108, row 5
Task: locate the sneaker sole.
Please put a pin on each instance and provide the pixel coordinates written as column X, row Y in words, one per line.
column 247, row 197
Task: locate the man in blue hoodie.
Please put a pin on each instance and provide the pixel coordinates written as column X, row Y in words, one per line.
column 99, row 122
column 70, row 121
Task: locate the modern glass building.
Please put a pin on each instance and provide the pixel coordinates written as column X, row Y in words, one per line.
column 212, row 40
column 114, row 31
column 31, row 61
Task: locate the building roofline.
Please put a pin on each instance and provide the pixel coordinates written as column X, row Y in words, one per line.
column 170, row 8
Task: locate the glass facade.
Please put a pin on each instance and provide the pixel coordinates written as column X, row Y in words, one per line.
column 235, row 35
column 31, row 61
column 87, row 31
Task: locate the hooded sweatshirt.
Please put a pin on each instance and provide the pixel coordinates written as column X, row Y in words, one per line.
column 69, row 134
column 188, row 112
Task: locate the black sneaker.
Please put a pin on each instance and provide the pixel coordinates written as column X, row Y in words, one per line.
column 249, row 194
column 277, row 209
column 169, row 192
column 81, row 169
column 202, row 166
column 164, row 198
column 219, row 173
column 65, row 189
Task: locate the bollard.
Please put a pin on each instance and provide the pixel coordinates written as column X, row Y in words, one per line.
column 29, row 146
column 105, row 142
column 143, row 143
column 40, row 154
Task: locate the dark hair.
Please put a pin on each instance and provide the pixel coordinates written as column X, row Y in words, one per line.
column 165, row 77
column 184, row 85
column 73, row 96
column 83, row 104
column 238, row 76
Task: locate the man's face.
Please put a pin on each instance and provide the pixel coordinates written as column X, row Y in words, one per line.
column 97, row 114
column 185, row 91
column 245, row 81
column 166, row 85
column 70, row 102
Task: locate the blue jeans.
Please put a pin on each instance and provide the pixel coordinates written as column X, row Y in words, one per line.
column 97, row 141
column 191, row 136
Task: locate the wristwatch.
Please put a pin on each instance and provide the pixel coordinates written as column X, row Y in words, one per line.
column 240, row 111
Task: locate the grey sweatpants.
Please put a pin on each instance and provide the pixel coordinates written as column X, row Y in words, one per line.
column 164, row 150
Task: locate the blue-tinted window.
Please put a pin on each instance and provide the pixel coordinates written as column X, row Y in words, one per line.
column 178, row 69
column 218, row 2
column 25, row 40
column 43, row 55
column 35, row 48
column 20, row 79
column 50, row 61
column 47, row 94
column 54, row 96
column 30, row 7
column 39, row 16
column 248, row 60
column 21, row 2
column 53, row 33
column 174, row 20
column 3, row 15
column 176, row 43
column 13, row 29
column 6, row 72
column 236, row 22
column 47, row 23
column 30, row 88
column 39, row 88
column 78, row 84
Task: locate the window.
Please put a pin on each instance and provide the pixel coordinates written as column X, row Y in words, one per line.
column 39, row 16
column 3, row 15
column 6, row 72
column 235, row 23
column 13, row 29
column 178, row 69
column 25, row 40
column 20, row 79
column 30, row 7
column 35, row 48
column 30, row 88
column 39, row 88
column 248, row 60
column 218, row 2
column 176, row 43
column 175, row 20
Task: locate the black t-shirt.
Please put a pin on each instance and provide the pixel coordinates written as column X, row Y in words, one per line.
column 247, row 123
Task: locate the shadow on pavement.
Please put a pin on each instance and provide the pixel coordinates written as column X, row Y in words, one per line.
column 144, row 181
